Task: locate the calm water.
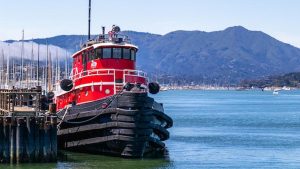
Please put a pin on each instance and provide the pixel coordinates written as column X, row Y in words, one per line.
column 216, row 129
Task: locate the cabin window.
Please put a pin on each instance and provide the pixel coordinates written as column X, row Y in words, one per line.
column 132, row 51
column 79, row 58
column 106, row 53
column 84, row 57
column 99, row 53
column 117, row 53
column 91, row 55
column 126, row 53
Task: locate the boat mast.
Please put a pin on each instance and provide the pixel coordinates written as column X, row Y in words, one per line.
column 46, row 68
column 13, row 71
column 2, row 69
column 49, row 72
column 7, row 67
column 22, row 53
column 89, row 33
column 66, row 66
column 56, row 68
column 31, row 63
column 38, row 66
column 43, row 76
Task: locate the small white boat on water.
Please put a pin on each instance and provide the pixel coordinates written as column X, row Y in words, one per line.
column 286, row 88
column 276, row 91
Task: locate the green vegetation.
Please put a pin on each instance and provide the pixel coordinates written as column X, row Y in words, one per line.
column 289, row 80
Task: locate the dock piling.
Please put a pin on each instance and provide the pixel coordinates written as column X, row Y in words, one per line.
column 27, row 133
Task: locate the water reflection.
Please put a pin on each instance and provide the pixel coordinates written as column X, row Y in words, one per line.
column 71, row 160
column 214, row 129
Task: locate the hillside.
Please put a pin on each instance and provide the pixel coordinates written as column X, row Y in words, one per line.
column 289, row 80
column 221, row 57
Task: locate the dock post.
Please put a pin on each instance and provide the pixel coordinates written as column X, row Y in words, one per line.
column 18, row 140
column 1, row 138
column 30, row 139
column 6, row 140
column 27, row 133
column 53, row 138
column 42, row 151
column 36, row 127
column 12, row 131
column 47, row 146
column 21, row 135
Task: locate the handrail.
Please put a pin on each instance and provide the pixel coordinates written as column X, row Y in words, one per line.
column 93, row 72
column 105, row 72
column 108, row 72
column 108, row 38
column 130, row 72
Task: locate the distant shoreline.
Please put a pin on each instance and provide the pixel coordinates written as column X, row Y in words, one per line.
column 208, row 87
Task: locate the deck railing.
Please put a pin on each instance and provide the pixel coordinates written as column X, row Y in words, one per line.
column 106, row 72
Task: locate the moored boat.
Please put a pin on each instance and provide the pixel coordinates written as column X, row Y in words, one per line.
column 104, row 107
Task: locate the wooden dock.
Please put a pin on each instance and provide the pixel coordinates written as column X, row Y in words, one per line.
column 27, row 133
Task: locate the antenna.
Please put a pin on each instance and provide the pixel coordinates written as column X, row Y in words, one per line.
column 89, row 33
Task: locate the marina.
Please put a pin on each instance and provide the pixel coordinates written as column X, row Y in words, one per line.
column 149, row 84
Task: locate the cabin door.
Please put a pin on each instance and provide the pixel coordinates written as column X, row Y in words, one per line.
column 84, row 62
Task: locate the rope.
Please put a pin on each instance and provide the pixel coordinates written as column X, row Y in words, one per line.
column 58, row 126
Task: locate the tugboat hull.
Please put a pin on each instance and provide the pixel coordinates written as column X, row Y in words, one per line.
column 129, row 124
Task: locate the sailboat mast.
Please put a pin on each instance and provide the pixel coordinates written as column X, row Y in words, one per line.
column 22, row 64
column 31, row 63
column 49, row 73
column 7, row 67
column 2, row 69
column 46, row 68
column 57, row 68
column 66, row 66
column 13, row 71
column 38, row 66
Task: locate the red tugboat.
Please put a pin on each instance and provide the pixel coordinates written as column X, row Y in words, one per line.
column 104, row 107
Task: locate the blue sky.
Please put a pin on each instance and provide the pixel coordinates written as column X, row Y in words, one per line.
column 41, row 18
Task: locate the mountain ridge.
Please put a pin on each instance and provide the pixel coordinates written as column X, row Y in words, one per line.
column 219, row 57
